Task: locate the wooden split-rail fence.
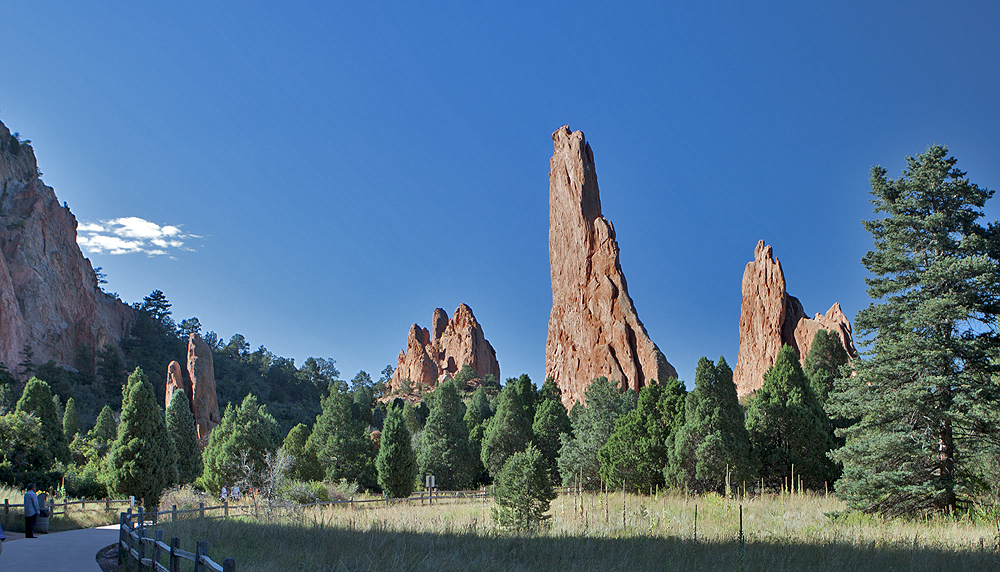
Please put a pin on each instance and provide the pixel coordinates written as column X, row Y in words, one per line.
column 143, row 552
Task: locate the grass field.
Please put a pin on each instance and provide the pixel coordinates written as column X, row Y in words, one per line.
column 94, row 515
column 795, row 533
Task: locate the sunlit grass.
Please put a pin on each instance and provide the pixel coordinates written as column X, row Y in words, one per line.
column 593, row 532
column 95, row 513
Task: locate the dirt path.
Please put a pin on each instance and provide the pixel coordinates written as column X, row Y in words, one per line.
column 73, row 550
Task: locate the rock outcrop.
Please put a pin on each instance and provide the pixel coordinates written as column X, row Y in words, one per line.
column 593, row 328
column 431, row 356
column 771, row 318
column 205, row 403
column 175, row 381
column 50, row 299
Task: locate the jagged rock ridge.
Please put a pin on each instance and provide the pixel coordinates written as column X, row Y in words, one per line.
column 771, row 318
column 50, row 299
column 593, row 328
column 431, row 356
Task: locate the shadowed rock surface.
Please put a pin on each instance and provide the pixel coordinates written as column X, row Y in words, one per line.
column 49, row 295
column 593, row 328
column 771, row 318
column 205, row 403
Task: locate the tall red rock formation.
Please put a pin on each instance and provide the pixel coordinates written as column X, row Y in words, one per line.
column 49, row 295
column 175, row 381
column 771, row 318
column 593, row 328
column 205, row 403
column 429, row 357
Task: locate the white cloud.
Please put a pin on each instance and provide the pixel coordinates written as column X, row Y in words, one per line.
column 129, row 235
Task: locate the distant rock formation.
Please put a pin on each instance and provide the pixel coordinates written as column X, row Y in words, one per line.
column 50, row 299
column 593, row 328
column 205, row 403
column 175, row 381
column 430, row 357
column 771, row 318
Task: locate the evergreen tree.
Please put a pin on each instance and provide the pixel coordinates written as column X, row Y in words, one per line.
column 479, row 409
column 713, row 436
column 823, row 362
column 635, row 454
column 180, row 427
column 550, row 424
column 24, row 452
column 341, row 443
column 444, row 445
column 142, row 460
column 578, row 456
column 523, row 491
column 242, row 441
column 303, row 461
column 396, row 462
column 106, row 429
column 550, row 390
column 37, row 398
column 8, row 390
column 788, row 427
column 71, row 424
column 926, row 397
column 509, row 431
column 529, row 394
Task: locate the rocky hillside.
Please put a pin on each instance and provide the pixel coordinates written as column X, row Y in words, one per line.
column 50, row 299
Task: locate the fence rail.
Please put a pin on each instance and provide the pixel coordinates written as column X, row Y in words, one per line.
column 145, row 553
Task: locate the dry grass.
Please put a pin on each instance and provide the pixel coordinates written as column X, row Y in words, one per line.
column 782, row 533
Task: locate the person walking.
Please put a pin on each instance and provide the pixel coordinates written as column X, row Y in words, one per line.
column 2, row 538
column 31, row 511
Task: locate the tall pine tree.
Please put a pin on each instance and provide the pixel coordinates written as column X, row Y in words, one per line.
column 444, row 449
column 924, row 398
column 396, row 462
column 823, row 362
column 37, row 398
column 180, row 426
column 509, row 430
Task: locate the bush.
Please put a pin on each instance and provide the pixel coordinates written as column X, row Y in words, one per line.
column 523, row 491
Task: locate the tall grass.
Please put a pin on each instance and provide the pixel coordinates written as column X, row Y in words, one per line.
column 599, row 533
column 93, row 515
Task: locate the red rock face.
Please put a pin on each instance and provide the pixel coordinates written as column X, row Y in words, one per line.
column 175, row 381
column 205, row 403
column 455, row 342
column 593, row 328
column 49, row 295
column 771, row 318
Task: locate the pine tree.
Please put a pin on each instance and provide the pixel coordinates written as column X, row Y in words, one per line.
column 37, row 398
column 444, row 445
column 71, row 424
column 713, row 438
column 578, row 457
column 551, row 423
column 823, row 362
column 247, row 432
column 509, row 430
column 529, row 394
column 788, row 427
column 142, row 460
column 180, row 427
column 105, row 429
column 341, row 443
column 925, row 399
column 303, row 460
column 523, row 491
column 636, row 452
column 396, row 462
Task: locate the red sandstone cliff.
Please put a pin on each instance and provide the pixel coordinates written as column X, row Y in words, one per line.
column 593, row 328
column 49, row 295
column 771, row 318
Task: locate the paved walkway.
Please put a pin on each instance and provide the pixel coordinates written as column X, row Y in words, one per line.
column 68, row 551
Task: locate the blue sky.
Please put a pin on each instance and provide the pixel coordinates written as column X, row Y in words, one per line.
column 332, row 173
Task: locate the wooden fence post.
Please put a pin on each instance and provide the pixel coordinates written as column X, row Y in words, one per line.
column 201, row 509
column 157, row 538
column 201, row 550
column 175, row 560
column 121, row 537
column 107, row 504
column 229, row 565
column 225, row 508
column 173, row 514
column 141, row 549
column 6, row 506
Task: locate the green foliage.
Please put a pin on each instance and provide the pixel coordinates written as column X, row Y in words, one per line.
column 925, row 400
column 788, row 427
column 237, row 448
column 550, row 424
column 180, row 427
column 713, row 436
column 342, row 443
column 142, row 461
column 479, row 409
column 24, row 451
column 636, row 453
column 464, row 376
column 303, row 463
column 106, row 429
column 578, row 457
column 444, row 444
column 528, row 392
column 523, row 491
column 71, row 425
column 823, row 362
column 85, row 481
column 396, row 461
column 509, row 430
column 37, row 399
column 8, row 390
